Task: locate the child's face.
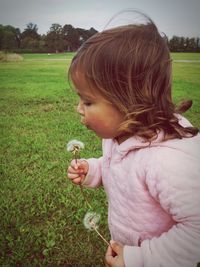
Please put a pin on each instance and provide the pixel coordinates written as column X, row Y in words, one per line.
column 97, row 114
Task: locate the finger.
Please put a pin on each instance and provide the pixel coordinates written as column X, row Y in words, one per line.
column 82, row 178
column 76, row 180
column 74, row 171
column 78, row 167
column 108, row 260
column 109, row 251
column 73, row 176
column 74, row 164
column 109, row 256
column 83, row 165
column 117, row 248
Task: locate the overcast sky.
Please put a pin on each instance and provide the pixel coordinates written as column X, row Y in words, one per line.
column 173, row 17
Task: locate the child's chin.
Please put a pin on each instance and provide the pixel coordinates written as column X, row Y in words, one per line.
column 90, row 129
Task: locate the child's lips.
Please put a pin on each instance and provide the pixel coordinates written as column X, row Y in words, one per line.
column 84, row 122
column 87, row 126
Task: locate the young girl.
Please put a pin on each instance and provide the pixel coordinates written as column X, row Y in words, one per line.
column 151, row 154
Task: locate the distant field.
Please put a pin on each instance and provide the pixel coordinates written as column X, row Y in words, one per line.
column 41, row 211
column 44, row 56
column 186, row 56
column 175, row 56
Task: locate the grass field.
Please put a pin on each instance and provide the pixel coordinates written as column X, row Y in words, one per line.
column 41, row 211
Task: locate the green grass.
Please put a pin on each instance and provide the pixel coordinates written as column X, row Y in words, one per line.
column 185, row 56
column 41, row 211
column 48, row 56
column 186, row 85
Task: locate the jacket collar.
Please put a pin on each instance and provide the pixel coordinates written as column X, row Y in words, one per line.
column 132, row 143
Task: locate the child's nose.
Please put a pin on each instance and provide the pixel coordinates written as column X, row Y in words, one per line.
column 80, row 108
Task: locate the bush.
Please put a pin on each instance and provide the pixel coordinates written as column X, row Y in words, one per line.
column 10, row 57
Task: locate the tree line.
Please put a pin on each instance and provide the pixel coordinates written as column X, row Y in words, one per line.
column 67, row 38
column 57, row 39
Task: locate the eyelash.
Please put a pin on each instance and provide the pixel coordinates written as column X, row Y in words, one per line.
column 87, row 104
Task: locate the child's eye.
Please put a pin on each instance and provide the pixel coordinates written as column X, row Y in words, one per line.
column 87, row 104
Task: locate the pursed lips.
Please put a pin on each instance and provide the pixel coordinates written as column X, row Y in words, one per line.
column 83, row 120
column 84, row 123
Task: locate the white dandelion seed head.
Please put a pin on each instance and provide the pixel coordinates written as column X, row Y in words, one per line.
column 75, row 145
column 91, row 220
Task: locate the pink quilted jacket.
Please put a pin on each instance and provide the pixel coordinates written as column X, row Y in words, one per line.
column 153, row 199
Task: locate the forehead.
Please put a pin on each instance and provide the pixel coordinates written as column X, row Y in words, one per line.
column 79, row 80
column 86, row 90
column 82, row 84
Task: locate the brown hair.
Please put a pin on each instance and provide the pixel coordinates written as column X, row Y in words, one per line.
column 131, row 67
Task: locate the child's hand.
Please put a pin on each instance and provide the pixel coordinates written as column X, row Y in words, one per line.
column 77, row 171
column 114, row 255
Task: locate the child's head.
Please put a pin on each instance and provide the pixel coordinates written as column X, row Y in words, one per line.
column 130, row 67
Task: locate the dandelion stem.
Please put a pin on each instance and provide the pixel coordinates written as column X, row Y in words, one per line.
column 74, row 146
column 95, row 228
column 102, row 237
column 84, row 196
column 81, row 187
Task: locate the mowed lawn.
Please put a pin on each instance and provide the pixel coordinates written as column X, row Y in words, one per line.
column 41, row 211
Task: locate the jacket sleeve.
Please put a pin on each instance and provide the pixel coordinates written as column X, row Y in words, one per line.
column 94, row 175
column 174, row 183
